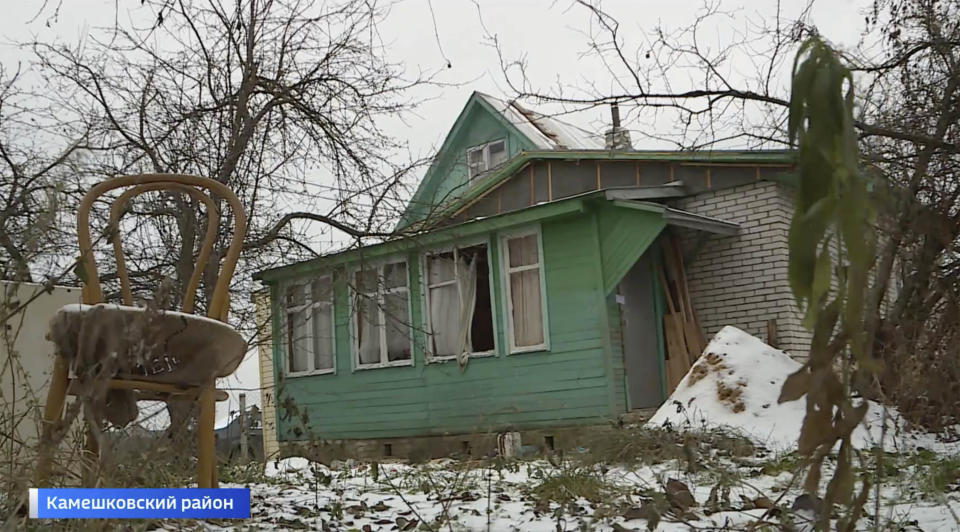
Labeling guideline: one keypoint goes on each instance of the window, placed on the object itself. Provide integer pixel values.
(381, 316)
(487, 156)
(459, 311)
(309, 327)
(523, 284)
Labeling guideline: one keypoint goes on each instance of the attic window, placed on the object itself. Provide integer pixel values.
(484, 157)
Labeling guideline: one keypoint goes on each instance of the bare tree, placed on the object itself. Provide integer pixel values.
(35, 184)
(281, 100)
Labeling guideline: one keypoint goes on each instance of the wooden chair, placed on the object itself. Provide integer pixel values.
(159, 354)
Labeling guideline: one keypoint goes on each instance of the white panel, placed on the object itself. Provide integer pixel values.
(268, 412)
(25, 371)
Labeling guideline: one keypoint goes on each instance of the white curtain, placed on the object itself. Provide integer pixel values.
(527, 311)
(298, 340)
(367, 330)
(444, 306)
(468, 292)
(322, 337)
(398, 324)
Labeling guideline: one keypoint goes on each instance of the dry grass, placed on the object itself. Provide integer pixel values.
(646, 445)
(573, 483)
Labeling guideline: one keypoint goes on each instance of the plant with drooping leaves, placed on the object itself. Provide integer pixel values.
(832, 245)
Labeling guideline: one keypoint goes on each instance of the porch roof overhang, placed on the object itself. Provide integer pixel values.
(677, 217)
(628, 198)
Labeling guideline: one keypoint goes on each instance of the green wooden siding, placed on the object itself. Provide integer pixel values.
(570, 384)
(618, 375)
(625, 234)
(580, 380)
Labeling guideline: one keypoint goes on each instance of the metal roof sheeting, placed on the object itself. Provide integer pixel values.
(546, 132)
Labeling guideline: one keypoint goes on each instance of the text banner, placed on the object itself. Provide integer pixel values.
(139, 503)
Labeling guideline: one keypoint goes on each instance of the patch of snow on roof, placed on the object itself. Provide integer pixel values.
(736, 383)
(547, 132)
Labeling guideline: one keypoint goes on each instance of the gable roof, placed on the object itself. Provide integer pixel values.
(546, 132)
(541, 133)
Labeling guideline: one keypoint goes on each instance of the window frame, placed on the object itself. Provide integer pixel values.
(425, 299)
(381, 314)
(306, 283)
(484, 150)
(505, 271)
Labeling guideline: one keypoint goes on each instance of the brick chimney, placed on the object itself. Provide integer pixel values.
(617, 138)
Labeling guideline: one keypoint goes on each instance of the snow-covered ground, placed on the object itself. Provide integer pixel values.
(451, 495)
(716, 456)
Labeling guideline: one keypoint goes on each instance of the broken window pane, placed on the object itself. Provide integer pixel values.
(458, 302)
(481, 328)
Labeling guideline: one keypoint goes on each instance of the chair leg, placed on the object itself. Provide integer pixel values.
(214, 483)
(52, 412)
(206, 457)
(91, 454)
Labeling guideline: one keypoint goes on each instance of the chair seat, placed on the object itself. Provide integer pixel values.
(147, 344)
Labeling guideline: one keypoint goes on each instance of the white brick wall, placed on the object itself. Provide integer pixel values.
(741, 280)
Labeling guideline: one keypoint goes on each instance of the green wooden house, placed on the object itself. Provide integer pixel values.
(519, 294)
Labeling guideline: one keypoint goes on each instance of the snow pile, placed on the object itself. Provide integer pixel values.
(293, 466)
(736, 383)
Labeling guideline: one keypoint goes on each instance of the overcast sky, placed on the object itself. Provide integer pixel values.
(551, 37)
(549, 34)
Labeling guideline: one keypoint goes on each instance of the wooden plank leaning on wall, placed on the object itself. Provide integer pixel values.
(684, 337)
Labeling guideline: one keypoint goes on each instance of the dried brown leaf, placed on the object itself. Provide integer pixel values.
(796, 385)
